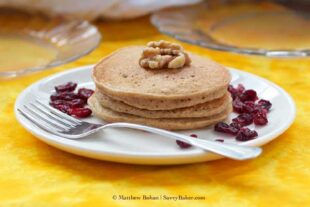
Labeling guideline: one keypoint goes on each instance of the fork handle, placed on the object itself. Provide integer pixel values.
(237, 152)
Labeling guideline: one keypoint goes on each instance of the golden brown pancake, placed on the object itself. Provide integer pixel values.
(165, 123)
(201, 110)
(120, 76)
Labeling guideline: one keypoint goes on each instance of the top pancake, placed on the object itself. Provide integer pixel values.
(121, 77)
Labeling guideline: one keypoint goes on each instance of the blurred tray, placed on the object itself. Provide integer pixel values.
(247, 27)
(33, 42)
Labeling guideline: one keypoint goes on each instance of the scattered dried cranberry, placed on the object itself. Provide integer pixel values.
(69, 102)
(62, 107)
(248, 95)
(182, 144)
(244, 119)
(85, 93)
(260, 118)
(244, 103)
(248, 107)
(246, 134)
(68, 87)
(236, 125)
(66, 96)
(236, 92)
(259, 109)
(240, 88)
(80, 112)
(233, 91)
(58, 102)
(76, 103)
(185, 145)
(225, 128)
(237, 106)
(265, 104)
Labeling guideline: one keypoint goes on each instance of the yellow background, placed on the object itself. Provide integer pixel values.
(33, 174)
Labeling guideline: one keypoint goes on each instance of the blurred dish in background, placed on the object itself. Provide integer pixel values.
(92, 9)
(32, 42)
(19, 52)
(252, 27)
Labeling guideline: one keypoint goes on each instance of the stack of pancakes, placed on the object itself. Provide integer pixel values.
(191, 97)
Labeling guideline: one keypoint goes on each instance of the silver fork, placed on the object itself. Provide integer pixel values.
(63, 125)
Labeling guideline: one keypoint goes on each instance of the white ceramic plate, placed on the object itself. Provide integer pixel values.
(131, 146)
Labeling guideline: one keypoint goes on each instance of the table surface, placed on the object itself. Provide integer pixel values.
(35, 174)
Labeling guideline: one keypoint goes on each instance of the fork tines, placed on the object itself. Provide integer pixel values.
(48, 118)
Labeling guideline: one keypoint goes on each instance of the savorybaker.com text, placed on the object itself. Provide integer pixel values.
(157, 197)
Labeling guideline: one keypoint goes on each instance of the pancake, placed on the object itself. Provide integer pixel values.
(165, 123)
(201, 110)
(121, 77)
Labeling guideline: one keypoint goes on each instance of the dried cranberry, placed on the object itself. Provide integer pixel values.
(265, 104)
(233, 92)
(58, 102)
(259, 109)
(68, 87)
(248, 107)
(231, 89)
(240, 88)
(80, 112)
(185, 145)
(244, 103)
(237, 106)
(246, 134)
(248, 95)
(66, 96)
(260, 118)
(236, 92)
(236, 125)
(85, 93)
(55, 97)
(62, 107)
(76, 103)
(221, 127)
(225, 128)
(244, 119)
(69, 102)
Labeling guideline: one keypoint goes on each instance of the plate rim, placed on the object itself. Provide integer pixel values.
(139, 156)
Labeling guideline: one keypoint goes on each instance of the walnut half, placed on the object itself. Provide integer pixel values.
(163, 54)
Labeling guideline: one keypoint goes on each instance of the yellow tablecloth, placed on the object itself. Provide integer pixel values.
(35, 174)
